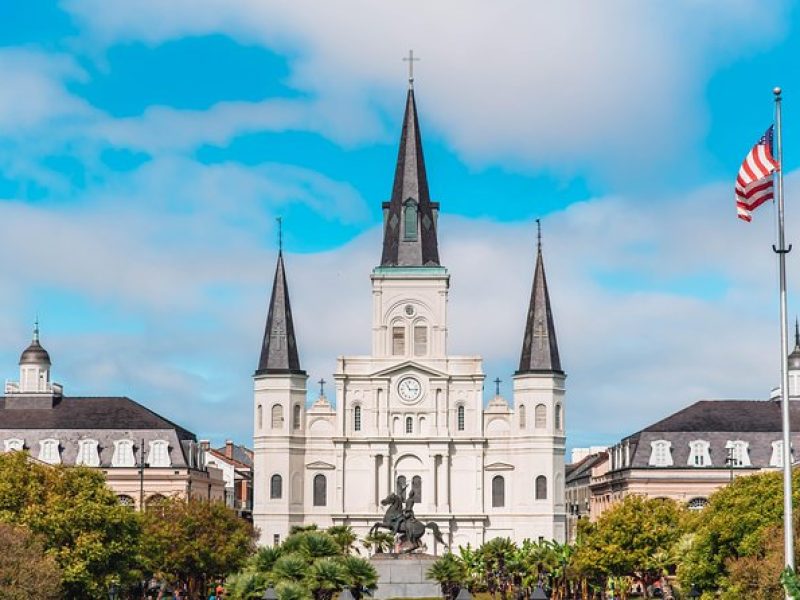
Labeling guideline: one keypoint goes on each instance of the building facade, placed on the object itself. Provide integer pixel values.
(143, 456)
(236, 464)
(695, 451)
(408, 414)
(577, 487)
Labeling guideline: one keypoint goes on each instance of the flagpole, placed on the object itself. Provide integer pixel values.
(782, 251)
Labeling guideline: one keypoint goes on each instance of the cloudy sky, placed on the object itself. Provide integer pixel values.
(147, 147)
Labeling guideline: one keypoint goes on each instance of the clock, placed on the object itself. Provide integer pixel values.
(409, 389)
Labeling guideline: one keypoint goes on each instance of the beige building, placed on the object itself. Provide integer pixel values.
(144, 456)
(577, 488)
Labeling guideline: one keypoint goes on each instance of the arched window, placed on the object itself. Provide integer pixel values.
(409, 425)
(320, 490)
(410, 221)
(522, 416)
(416, 487)
(541, 487)
(498, 491)
(357, 418)
(460, 415)
(260, 416)
(398, 340)
(154, 500)
(13, 444)
(697, 504)
(49, 451)
(401, 484)
(123, 454)
(558, 417)
(126, 500)
(296, 417)
(277, 416)
(276, 487)
(88, 454)
(540, 416)
(420, 340)
(159, 454)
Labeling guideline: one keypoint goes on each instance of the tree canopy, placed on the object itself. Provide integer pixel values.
(25, 570)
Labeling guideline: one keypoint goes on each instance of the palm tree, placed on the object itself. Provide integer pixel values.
(448, 572)
(291, 567)
(325, 577)
(378, 542)
(344, 537)
(361, 575)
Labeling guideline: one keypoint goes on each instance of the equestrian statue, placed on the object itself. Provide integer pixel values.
(400, 520)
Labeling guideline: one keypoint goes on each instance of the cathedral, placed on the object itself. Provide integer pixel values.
(408, 414)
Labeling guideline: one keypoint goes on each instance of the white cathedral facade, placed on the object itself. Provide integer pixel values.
(409, 414)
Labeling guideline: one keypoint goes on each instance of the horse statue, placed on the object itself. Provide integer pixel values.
(404, 524)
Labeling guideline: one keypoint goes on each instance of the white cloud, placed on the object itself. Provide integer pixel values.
(564, 86)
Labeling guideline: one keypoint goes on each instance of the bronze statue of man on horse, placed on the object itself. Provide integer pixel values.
(400, 520)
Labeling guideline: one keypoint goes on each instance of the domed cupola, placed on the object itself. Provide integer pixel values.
(34, 354)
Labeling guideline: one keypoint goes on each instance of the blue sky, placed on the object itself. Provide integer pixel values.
(146, 149)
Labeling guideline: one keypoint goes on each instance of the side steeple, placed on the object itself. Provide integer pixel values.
(539, 347)
(279, 349)
(409, 224)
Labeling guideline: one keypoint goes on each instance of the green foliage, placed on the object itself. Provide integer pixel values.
(791, 583)
(92, 538)
(378, 541)
(632, 538)
(449, 572)
(310, 565)
(25, 570)
(732, 529)
(190, 542)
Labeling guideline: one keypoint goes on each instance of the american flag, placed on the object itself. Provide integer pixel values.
(754, 182)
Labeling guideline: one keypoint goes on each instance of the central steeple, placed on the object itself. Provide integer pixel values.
(409, 218)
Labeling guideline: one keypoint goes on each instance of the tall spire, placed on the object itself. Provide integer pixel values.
(539, 348)
(409, 231)
(279, 349)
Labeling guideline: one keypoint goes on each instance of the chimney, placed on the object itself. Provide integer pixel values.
(228, 448)
(205, 444)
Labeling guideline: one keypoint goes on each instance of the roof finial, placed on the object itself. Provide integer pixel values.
(280, 234)
(36, 329)
(539, 234)
(796, 332)
(497, 386)
(410, 59)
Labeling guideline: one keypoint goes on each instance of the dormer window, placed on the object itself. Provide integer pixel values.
(409, 221)
(49, 451)
(123, 454)
(660, 453)
(14, 444)
(738, 455)
(776, 459)
(158, 456)
(699, 454)
(88, 454)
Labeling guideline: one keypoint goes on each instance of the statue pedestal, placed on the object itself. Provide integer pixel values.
(404, 576)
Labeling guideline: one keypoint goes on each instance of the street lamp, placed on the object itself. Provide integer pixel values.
(269, 594)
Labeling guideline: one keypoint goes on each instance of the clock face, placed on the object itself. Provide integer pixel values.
(409, 389)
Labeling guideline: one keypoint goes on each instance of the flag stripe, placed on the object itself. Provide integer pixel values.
(754, 185)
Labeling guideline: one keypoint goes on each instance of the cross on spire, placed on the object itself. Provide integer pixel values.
(539, 234)
(280, 233)
(497, 386)
(411, 60)
(322, 383)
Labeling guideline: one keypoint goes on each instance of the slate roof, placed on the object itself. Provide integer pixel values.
(410, 183)
(279, 348)
(727, 415)
(96, 413)
(583, 468)
(539, 346)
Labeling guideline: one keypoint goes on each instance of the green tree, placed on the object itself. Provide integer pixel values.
(344, 537)
(91, 536)
(629, 539)
(194, 542)
(733, 527)
(378, 542)
(25, 570)
(449, 572)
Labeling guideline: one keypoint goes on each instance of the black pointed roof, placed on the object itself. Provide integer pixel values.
(539, 347)
(279, 349)
(410, 187)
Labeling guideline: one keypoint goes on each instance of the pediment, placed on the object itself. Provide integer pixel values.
(319, 465)
(499, 466)
(409, 365)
